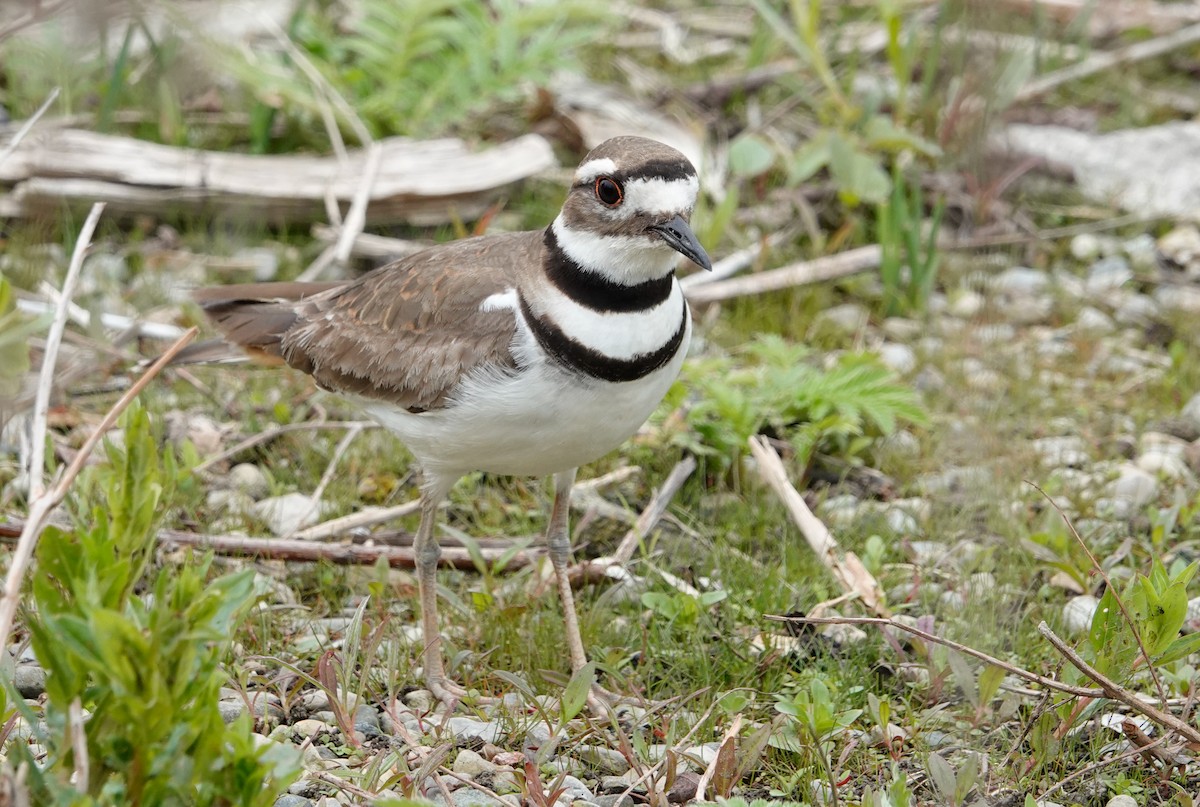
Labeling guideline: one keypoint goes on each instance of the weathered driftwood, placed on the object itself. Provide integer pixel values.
(419, 181)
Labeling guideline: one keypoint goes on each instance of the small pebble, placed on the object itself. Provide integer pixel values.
(248, 479)
(1078, 612)
(471, 764)
(30, 681)
(899, 358)
(288, 513)
(1021, 281)
(469, 727)
(1107, 274)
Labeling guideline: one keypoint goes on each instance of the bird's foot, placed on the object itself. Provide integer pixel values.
(451, 694)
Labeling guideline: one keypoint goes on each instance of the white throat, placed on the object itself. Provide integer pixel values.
(623, 259)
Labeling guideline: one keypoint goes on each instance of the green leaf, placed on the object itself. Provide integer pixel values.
(943, 777)
(811, 158)
(989, 683)
(882, 133)
(1181, 647)
(859, 176)
(750, 155)
(576, 693)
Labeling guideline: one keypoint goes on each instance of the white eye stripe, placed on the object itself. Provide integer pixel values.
(594, 168)
(661, 195)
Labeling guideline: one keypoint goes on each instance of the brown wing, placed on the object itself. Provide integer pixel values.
(406, 333)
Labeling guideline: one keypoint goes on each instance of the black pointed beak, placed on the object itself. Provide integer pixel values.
(679, 236)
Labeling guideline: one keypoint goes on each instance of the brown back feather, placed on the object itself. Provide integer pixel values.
(406, 333)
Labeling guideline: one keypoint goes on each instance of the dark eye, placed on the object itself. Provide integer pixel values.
(608, 191)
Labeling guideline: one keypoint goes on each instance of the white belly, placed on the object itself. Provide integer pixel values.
(539, 422)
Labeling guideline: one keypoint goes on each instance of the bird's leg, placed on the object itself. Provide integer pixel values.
(558, 543)
(427, 551)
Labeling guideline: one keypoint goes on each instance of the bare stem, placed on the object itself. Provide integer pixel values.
(41, 401)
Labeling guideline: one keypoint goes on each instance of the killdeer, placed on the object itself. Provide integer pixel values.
(526, 353)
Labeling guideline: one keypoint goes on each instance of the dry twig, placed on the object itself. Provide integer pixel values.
(275, 431)
(654, 510)
(39, 12)
(356, 217)
(830, 267)
(1099, 62)
(41, 401)
(1137, 635)
(28, 125)
(1114, 691)
(1049, 683)
(846, 568)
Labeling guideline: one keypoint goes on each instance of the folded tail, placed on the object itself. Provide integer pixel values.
(252, 319)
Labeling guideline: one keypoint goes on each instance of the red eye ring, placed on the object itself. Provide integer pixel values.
(609, 191)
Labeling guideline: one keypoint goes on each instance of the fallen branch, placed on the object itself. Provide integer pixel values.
(343, 554)
(818, 270)
(431, 181)
(363, 518)
(847, 569)
(735, 262)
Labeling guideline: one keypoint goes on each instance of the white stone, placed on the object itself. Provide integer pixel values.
(1137, 310)
(1181, 299)
(1069, 451)
(1085, 247)
(287, 513)
(1077, 613)
(900, 358)
(966, 304)
(469, 763)
(846, 318)
(1093, 322)
(1021, 281)
(469, 727)
(1191, 410)
(1135, 486)
(1108, 273)
(1164, 464)
(1163, 443)
(249, 479)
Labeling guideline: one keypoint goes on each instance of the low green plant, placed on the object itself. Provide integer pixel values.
(680, 608)
(909, 254)
(420, 67)
(841, 409)
(816, 725)
(953, 787)
(897, 793)
(139, 653)
(856, 139)
(1157, 606)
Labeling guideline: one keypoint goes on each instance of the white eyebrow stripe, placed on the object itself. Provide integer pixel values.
(594, 168)
(654, 195)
